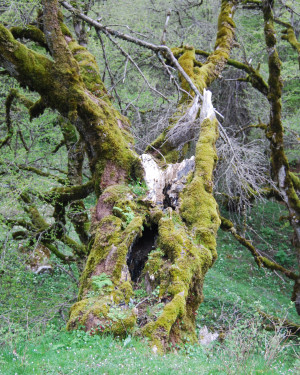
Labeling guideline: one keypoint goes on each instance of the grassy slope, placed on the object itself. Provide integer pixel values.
(234, 289)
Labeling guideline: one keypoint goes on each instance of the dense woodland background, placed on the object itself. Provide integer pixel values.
(249, 307)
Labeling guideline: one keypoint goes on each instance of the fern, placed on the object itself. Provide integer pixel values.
(102, 281)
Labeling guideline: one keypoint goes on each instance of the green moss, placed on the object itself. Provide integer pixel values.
(65, 30)
(158, 332)
(126, 289)
(115, 193)
(109, 251)
(36, 218)
(89, 70)
(295, 180)
(76, 313)
(103, 313)
(186, 60)
(29, 32)
(155, 215)
(155, 262)
(106, 239)
(175, 276)
(198, 206)
(226, 224)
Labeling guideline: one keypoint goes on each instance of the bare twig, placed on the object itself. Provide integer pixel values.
(155, 48)
(108, 69)
(124, 53)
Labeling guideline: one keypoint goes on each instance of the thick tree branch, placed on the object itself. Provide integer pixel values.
(253, 75)
(228, 226)
(290, 36)
(55, 38)
(68, 194)
(30, 32)
(41, 173)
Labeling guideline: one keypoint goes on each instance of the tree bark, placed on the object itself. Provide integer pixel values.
(279, 162)
(170, 247)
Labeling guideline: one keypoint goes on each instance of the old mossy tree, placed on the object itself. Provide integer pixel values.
(163, 238)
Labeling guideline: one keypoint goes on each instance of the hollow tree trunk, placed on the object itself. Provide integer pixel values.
(183, 235)
(169, 245)
(171, 249)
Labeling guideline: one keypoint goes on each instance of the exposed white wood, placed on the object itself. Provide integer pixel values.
(172, 179)
(207, 109)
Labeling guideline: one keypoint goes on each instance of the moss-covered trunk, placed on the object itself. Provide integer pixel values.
(183, 236)
(147, 258)
(141, 246)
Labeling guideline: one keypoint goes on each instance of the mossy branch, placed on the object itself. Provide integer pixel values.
(28, 67)
(253, 75)
(41, 173)
(30, 32)
(55, 38)
(37, 109)
(14, 94)
(228, 226)
(55, 231)
(295, 180)
(68, 194)
(67, 259)
(256, 126)
(46, 233)
(290, 36)
(275, 131)
(275, 322)
(17, 222)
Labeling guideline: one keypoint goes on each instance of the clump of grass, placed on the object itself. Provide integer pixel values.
(246, 350)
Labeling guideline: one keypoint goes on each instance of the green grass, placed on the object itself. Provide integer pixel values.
(237, 281)
(79, 353)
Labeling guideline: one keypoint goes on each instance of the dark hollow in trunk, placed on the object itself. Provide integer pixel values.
(138, 254)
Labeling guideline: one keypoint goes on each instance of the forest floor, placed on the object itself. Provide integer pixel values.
(33, 339)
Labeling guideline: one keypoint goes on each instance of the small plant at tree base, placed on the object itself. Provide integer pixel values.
(127, 215)
(100, 283)
(116, 314)
(138, 187)
(140, 293)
